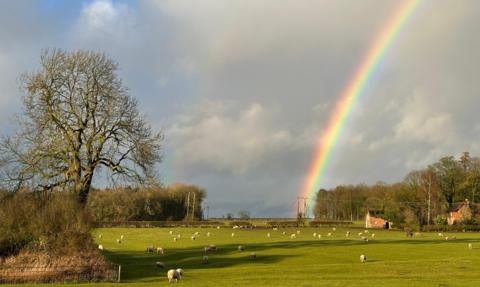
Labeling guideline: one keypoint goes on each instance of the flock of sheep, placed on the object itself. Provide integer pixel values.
(174, 275)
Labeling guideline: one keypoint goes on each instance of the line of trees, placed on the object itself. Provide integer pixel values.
(423, 197)
(174, 202)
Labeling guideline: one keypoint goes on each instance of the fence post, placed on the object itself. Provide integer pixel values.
(119, 272)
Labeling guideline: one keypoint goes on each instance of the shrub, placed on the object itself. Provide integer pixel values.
(440, 220)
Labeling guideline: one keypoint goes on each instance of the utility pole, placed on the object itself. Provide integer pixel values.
(188, 206)
(298, 206)
(208, 211)
(193, 209)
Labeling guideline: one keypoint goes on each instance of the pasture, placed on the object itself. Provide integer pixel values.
(393, 259)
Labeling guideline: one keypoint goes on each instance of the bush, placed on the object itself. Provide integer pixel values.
(318, 223)
(440, 220)
(56, 225)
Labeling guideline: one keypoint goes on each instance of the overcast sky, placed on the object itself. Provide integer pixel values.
(243, 88)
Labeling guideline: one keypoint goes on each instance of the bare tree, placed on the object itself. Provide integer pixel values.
(78, 118)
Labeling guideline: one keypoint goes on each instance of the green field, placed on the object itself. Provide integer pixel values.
(393, 259)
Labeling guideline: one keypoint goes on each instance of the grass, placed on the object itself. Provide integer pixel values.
(393, 259)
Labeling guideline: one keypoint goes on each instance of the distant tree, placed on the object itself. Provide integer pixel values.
(78, 118)
(244, 214)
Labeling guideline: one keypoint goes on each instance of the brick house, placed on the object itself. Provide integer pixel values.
(375, 219)
(459, 213)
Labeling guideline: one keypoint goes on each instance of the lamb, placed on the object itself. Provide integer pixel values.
(160, 250)
(160, 264)
(173, 276)
(293, 235)
(100, 247)
(241, 248)
(253, 255)
(363, 258)
(205, 259)
(150, 249)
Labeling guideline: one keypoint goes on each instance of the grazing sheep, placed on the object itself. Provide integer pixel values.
(319, 236)
(363, 258)
(119, 241)
(197, 233)
(100, 236)
(233, 234)
(208, 234)
(205, 259)
(470, 246)
(173, 276)
(298, 231)
(373, 235)
(160, 250)
(364, 238)
(329, 234)
(347, 234)
(440, 234)
(360, 234)
(210, 248)
(241, 248)
(446, 238)
(293, 235)
(218, 227)
(417, 234)
(253, 255)
(284, 233)
(150, 249)
(366, 231)
(314, 234)
(193, 237)
(100, 247)
(334, 229)
(175, 239)
(171, 232)
(180, 271)
(179, 235)
(275, 229)
(268, 235)
(160, 264)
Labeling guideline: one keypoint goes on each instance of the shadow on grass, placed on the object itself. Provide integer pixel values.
(140, 266)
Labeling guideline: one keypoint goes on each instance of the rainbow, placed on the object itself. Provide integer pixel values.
(351, 94)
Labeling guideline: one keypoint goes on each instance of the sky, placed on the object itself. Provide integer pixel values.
(242, 89)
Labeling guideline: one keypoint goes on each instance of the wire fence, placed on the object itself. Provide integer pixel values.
(50, 274)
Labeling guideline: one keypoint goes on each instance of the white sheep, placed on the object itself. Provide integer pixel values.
(193, 237)
(160, 264)
(218, 226)
(100, 247)
(347, 234)
(470, 246)
(171, 232)
(150, 249)
(293, 235)
(275, 229)
(175, 239)
(173, 276)
(334, 229)
(253, 255)
(210, 248)
(208, 234)
(268, 235)
(298, 231)
(366, 231)
(121, 237)
(440, 234)
(179, 236)
(373, 235)
(329, 234)
(360, 234)
(180, 271)
(233, 234)
(205, 259)
(241, 248)
(197, 233)
(319, 236)
(284, 233)
(119, 241)
(160, 250)
(314, 234)
(363, 258)
(100, 236)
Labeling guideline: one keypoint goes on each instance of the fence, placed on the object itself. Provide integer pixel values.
(50, 274)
